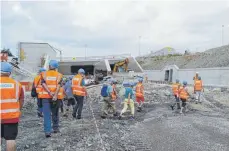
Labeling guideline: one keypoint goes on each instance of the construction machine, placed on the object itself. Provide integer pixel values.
(123, 64)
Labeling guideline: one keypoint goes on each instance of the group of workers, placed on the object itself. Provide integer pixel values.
(181, 93)
(110, 95)
(50, 89)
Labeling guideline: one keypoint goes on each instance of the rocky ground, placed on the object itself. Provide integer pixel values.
(157, 128)
(216, 57)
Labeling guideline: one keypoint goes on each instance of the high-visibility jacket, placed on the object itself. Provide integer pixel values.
(77, 88)
(183, 93)
(61, 94)
(198, 85)
(175, 88)
(52, 79)
(10, 93)
(37, 83)
(113, 94)
(139, 90)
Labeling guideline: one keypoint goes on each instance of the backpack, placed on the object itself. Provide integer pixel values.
(33, 92)
(104, 91)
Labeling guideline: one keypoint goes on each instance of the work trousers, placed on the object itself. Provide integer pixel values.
(130, 104)
(79, 105)
(39, 105)
(108, 104)
(50, 110)
(198, 95)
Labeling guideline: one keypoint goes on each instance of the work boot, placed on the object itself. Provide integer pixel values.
(178, 106)
(56, 131)
(172, 107)
(47, 135)
(73, 115)
(79, 117)
(115, 114)
(132, 117)
(139, 109)
(39, 114)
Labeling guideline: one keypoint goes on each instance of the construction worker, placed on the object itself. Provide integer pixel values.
(140, 94)
(128, 100)
(61, 96)
(198, 88)
(109, 95)
(38, 88)
(196, 76)
(12, 99)
(175, 89)
(51, 81)
(183, 93)
(79, 92)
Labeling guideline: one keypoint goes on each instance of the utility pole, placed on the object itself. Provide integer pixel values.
(85, 55)
(222, 34)
(139, 47)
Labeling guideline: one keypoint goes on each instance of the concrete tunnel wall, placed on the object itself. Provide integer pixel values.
(210, 76)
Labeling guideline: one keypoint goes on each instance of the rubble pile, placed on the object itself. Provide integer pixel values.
(216, 57)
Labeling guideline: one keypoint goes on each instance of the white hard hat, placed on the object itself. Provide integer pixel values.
(197, 72)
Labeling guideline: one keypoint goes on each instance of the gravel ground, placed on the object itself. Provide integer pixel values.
(157, 128)
(216, 57)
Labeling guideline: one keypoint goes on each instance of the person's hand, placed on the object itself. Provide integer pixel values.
(51, 93)
(54, 98)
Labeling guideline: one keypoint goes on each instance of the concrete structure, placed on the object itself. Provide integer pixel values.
(32, 54)
(210, 76)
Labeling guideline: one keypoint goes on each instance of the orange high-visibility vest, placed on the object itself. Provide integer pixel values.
(77, 88)
(10, 93)
(37, 83)
(175, 88)
(139, 90)
(61, 94)
(183, 93)
(113, 94)
(198, 86)
(52, 79)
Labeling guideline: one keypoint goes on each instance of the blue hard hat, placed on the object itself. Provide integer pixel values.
(53, 64)
(42, 70)
(140, 79)
(6, 67)
(177, 80)
(81, 71)
(185, 83)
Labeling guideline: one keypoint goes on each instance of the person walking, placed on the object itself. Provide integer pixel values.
(11, 103)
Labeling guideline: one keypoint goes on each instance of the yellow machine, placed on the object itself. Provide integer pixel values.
(123, 64)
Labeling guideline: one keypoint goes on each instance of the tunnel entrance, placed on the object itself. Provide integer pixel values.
(89, 69)
(171, 75)
(112, 66)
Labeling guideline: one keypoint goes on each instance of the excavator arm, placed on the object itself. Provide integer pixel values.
(123, 64)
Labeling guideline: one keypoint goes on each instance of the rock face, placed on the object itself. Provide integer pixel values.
(156, 128)
(216, 57)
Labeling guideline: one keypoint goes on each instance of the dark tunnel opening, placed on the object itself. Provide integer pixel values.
(112, 66)
(89, 69)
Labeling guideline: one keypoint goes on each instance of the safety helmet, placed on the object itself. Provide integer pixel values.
(81, 71)
(177, 80)
(140, 79)
(185, 83)
(53, 64)
(6, 67)
(42, 70)
(197, 72)
(199, 77)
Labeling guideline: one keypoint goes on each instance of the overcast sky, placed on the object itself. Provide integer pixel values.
(114, 27)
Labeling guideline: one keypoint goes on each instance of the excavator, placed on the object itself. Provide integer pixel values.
(123, 64)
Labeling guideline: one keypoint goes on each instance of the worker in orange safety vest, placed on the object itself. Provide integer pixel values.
(140, 94)
(12, 99)
(51, 82)
(61, 96)
(79, 92)
(198, 89)
(38, 88)
(175, 89)
(184, 95)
